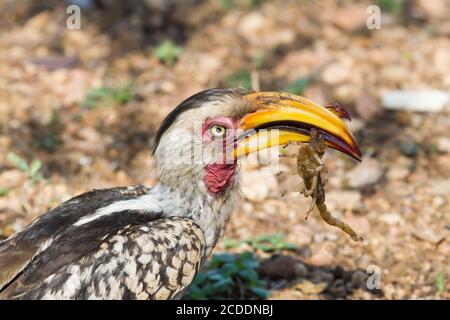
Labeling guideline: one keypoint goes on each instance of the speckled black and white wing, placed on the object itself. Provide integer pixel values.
(18, 250)
(104, 244)
(155, 260)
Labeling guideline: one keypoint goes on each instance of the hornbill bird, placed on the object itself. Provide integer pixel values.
(138, 242)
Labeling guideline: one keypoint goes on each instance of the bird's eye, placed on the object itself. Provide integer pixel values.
(218, 131)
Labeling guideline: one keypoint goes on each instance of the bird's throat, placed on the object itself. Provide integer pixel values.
(219, 176)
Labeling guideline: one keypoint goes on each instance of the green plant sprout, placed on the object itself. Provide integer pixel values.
(3, 191)
(266, 243)
(103, 97)
(32, 170)
(168, 53)
(241, 78)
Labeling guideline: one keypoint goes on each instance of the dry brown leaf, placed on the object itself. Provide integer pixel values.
(308, 287)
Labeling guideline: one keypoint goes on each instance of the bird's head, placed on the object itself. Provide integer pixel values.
(199, 142)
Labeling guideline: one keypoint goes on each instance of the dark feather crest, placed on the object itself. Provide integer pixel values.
(195, 101)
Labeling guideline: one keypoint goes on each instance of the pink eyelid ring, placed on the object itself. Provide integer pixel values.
(228, 123)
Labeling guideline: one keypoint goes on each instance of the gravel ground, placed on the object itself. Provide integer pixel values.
(397, 198)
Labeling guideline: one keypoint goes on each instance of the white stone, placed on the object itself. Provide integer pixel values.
(368, 172)
(443, 144)
(440, 187)
(344, 200)
(415, 100)
(391, 218)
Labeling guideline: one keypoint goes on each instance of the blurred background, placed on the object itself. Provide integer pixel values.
(79, 105)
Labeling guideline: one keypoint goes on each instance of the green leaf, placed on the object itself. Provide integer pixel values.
(196, 294)
(261, 292)
(241, 78)
(219, 279)
(271, 242)
(211, 272)
(216, 277)
(224, 257)
(223, 284)
(264, 237)
(393, 6)
(103, 97)
(49, 142)
(35, 167)
(250, 263)
(199, 278)
(255, 3)
(440, 282)
(298, 86)
(96, 97)
(264, 247)
(226, 4)
(167, 52)
(229, 269)
(123, 95)
(230, 243)
(3, 191)
(248, 274)
(98, 93)
(34, 170)
(17, 161)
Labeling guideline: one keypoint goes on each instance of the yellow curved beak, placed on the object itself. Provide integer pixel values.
(279, 118)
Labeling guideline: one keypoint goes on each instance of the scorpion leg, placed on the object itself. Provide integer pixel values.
(290, 173)
(300, 189)
(319, 161)
(311, 207)
(312, 192)
(287, 156)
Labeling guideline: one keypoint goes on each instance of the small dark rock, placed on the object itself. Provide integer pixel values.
(318, 276)
(358, 279)
(301, 270)
(337, 289)
(304, 251)
(338, 272)
(282, 267)
(410, 148)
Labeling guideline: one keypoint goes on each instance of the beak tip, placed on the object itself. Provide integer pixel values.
(350, 148)
(355, 153)
(358, 157)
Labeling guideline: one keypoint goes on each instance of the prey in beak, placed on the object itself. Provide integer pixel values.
(293, 117)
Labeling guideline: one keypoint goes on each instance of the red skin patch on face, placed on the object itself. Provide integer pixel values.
(219, 175)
